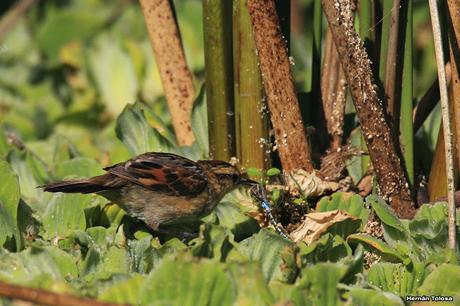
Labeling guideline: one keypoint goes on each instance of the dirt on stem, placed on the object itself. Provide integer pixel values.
(392, 180)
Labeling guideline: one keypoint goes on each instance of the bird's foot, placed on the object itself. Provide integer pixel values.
(185, 237)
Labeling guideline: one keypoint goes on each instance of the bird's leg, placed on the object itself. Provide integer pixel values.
(182, 235)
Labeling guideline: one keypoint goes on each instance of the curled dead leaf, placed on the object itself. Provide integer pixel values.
(317, 223)
(300, 182)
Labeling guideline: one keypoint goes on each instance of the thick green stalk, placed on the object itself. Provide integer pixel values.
(217, 19)
(387, 5)
(316, 54)
(318, 111)
(252, 139)
(365, 19)
(406, 124)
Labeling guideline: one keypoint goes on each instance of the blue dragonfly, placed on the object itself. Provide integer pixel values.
(258, 192)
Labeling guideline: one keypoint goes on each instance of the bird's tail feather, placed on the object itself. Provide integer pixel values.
(76, 186)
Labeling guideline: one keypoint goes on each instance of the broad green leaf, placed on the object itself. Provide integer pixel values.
(273, 171)
(64, 26)
(115, 261)
(183, 281)
(254, 172)
(395, 231)
(114, 73)
(101, 236)
(4, 146)
(397, 278)
(321, 281)
(191, 30)
(28, 266)
(364, 297)
(429, 229)
(137, 134)
(230, 216)
(141, 255)
(357, 166)
(251, 288)
(290, 294)
(444, 280)
(151, 85)
(54, 150)
(79, 167)
(112, 215)
(19, 45)
(352, 204)
(136, 53)
(384, 213)
(9, 201)
(65, 214)
(90, 265)
(127, 291)
(266, 247)
(215, 243)
(32, 173)
(326, 248)
(200, 125)
(380, 247)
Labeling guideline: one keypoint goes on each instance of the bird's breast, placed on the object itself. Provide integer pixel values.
(156, 208)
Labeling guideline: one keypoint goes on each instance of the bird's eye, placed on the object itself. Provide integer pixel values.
(235, 178)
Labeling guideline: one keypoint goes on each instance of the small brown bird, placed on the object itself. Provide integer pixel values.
(161, 188)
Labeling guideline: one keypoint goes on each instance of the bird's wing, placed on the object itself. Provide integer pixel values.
(163, 172)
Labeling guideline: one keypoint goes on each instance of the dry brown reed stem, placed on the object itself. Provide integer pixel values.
(290, 137)
(13, 15)
(392, 67)
(437, 180)
(392, 180)
(453, 74)
(333, 92)
(175, 75)
(43, 297)
(447, 123)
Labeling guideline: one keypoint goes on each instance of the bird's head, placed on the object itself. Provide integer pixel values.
(227, 176)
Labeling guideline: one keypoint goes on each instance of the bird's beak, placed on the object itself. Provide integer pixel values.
(247, 181)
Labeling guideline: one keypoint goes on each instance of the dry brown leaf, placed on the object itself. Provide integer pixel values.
(308, 184)
(317, 223)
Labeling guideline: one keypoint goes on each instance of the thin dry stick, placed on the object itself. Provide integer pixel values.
(43, 297)
(175, 76)
(380, 141)
(284, 108)
(13, 15)
(333, 92)
(447, 129)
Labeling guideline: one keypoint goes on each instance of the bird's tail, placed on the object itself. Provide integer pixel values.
(76, 186)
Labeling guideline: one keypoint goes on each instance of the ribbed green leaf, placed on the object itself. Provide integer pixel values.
(9, 201)
(114, 73)
(380, 247)
(321, 281)
(397, 278)
(444, 280)
(182, 281)
(266, 247)
(352, 204)
(363, 297)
